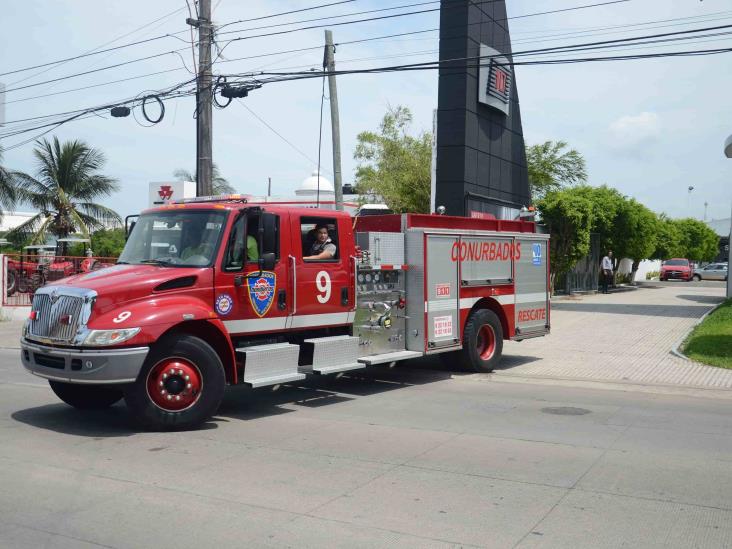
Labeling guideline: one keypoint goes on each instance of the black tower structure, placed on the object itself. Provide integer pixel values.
(481, 160)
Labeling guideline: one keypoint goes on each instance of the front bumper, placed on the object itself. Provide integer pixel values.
(675, 275)
(95, 366)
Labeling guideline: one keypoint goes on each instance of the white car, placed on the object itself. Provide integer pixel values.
(713, 271)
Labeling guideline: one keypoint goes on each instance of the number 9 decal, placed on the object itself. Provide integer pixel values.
(322, 283)
(124, 315)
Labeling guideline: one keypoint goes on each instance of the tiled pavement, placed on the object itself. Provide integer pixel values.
(622, 337)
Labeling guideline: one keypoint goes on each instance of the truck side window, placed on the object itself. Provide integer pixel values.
(319, 238)
(234, 257)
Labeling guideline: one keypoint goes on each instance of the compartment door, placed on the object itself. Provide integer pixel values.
(442, 292)
(531, 286)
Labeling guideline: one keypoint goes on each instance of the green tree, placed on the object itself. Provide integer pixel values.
(394, 164)
(606, 206)
(8, 191)
(108, 242)
(639, 229)
(220, 184)
(551, 166)
(568, 216)
(68, 182)
(669, 242)
(700, 242)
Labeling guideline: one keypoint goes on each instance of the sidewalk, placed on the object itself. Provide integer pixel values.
(10, 334)
(623, 337)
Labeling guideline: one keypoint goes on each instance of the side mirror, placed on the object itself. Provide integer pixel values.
(267, 232)
(130, 222)
(267, 261)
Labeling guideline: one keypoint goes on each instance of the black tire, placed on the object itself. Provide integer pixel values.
(202, 401)
(12, 282)
(86, 397)
(478, 355)
(696, 278)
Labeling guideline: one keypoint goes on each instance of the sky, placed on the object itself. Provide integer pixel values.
(650, 128)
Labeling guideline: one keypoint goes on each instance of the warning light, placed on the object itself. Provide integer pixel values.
(33, 315)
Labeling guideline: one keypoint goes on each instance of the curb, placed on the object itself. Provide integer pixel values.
(675, 350)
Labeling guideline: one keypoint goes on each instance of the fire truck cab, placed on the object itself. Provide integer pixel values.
(216, 291)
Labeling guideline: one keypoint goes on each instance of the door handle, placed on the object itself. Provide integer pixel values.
(239, 280)
(282, 300)
(344, 296)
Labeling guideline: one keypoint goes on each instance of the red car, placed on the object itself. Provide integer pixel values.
(676, 269)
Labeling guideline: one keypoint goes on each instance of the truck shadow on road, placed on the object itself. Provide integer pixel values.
(244, 404)
(678, 311)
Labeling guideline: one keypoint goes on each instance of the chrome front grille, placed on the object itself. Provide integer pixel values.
(57, 316)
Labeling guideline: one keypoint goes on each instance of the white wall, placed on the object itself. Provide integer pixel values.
(11, 220)
(644, 267)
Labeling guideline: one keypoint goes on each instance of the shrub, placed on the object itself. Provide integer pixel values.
(650, 275)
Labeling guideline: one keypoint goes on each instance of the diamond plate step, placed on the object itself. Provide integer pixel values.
(332, 354)
(389, 357)
(270, 364)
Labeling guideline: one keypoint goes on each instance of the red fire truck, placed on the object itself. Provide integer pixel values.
(216, 291)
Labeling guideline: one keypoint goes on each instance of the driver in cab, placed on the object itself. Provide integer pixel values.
(323, 247)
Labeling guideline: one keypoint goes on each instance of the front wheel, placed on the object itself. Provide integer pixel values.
(180, 386)
(86, 397)
(482, 341)
(696, 278)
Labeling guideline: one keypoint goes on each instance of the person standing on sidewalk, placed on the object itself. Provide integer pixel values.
(607, 271)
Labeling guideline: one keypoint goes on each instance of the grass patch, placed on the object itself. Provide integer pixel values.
(711, 341)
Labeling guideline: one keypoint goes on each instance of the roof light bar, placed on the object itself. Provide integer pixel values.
(217, 198)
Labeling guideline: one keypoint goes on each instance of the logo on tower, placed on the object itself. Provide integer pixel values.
(494, 79)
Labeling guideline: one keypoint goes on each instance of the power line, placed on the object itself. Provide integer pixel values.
(84, 88)
(97, 51)
(271, 34)
(286, 13)
(278, 134)
(95, 70)
(588, 45)
(392, 16)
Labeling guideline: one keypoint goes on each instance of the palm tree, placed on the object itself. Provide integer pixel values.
(8, 193)
(220, 184)
(67, 183)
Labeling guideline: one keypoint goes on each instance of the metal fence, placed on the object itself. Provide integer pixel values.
(585, 275)
(23, 274)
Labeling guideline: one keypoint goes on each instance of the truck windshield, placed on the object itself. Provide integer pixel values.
(187, 238)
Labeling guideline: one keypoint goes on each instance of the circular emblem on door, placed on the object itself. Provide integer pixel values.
(224, 304)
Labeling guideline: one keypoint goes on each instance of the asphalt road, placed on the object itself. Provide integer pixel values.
(407, 457)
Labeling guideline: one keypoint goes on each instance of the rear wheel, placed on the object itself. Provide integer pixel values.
(180, 386)
(12, 283)
(483, 341)
(86, 397)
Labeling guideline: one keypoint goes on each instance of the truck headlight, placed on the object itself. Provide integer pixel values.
(110, 337)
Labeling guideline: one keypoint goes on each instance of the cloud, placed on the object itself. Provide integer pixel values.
(632, 130)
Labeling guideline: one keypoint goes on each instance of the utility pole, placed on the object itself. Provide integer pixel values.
(329, 65)
(203, 103)
(269, 186)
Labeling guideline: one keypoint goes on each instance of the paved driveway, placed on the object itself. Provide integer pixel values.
(623, 337)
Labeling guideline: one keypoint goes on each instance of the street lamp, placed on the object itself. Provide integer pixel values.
(728, 154)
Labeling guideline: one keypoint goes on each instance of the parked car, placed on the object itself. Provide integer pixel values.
(713, 271)
(676, 269)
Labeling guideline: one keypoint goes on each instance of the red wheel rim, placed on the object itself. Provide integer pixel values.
(486, 342)
(174, 384)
